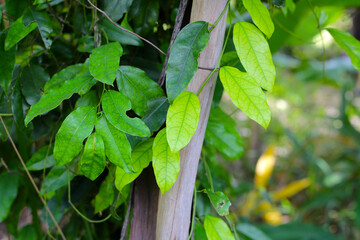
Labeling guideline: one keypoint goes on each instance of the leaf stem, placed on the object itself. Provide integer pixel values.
(193, 215)
(124, 29)
(6, 114)
(77, 210)
(220, 17)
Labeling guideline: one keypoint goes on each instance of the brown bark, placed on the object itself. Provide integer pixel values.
(174, 207)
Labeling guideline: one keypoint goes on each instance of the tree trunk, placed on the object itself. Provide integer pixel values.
(174, 207)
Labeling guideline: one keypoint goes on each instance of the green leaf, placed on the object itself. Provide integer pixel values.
(254, 53)
(116, 8)
(104, 61)
(260, 16)
(43, 158)
(89, 99)
(140, 158)
(216, 229)
(117, 147)
(222, 134)
(117, 35)
(350, 44)
(86, 44)
(9, 188)
(24, 56)
(55, 179)
(166, 163)
(33, 79)
(182, 120)
(7, 60)
(220, 202)
(105, 196)
(17, 32)
(43, 22)
(183, 64)
(138, 87)
(251, 232)
(115, 105)
(246, 94)
(144, 15)
(77, 126)
(93, 160)
(60, 87)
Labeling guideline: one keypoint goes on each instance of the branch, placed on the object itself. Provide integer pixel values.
(124, 29)
(177, 28)
(32, 181)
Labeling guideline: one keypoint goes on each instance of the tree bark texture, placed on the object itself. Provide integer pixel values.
(174, 207)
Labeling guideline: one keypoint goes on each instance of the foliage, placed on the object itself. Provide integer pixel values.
(80, 99)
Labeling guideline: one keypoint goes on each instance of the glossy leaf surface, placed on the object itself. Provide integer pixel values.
(115, 105)
(138, 87)
(77, 126)
(93, 160)
(246, 94)
(166, 163)
(117, 147)
(182, 120)
(216, 229)
(182, 65)
(60, 88)
(104, 61)
(350, 44)
(43, 23)
(254, 53)
(260, 16)
(17, 32)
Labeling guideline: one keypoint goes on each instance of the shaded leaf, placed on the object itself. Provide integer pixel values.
(105, 196)
(117, 35)
(7, 60)
(55, 179)
(350, 44)
(260, 16)
(246, 94)
(254, 53)
(9, 188)
(93, 160)
(117, 147)
(86, 44)
(141, 156)
(222, 134)
(182, 65)
(220, 202)
(182, 120)
(77, 126)
(116, 8)
(17, 32)
(24, 56)
(138, 87)
(89, 99)
(60, 87)
(43, 23)
(115, 105)
(104, 61)
(251, 231)
(43, 158)
(166, 163)
(33, 79)
(144, 15)
(216, 229)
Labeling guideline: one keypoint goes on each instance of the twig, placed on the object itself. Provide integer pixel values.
(124, 29)
(127, 216)
(32, 181)
(4, 164)
(60, 20)
(177, 27)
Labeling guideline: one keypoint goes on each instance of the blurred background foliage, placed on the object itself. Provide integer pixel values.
(297, 180)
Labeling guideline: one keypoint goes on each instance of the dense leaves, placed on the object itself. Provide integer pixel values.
(7, 59)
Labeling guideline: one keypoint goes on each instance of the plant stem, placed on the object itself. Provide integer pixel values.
(193, 216)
